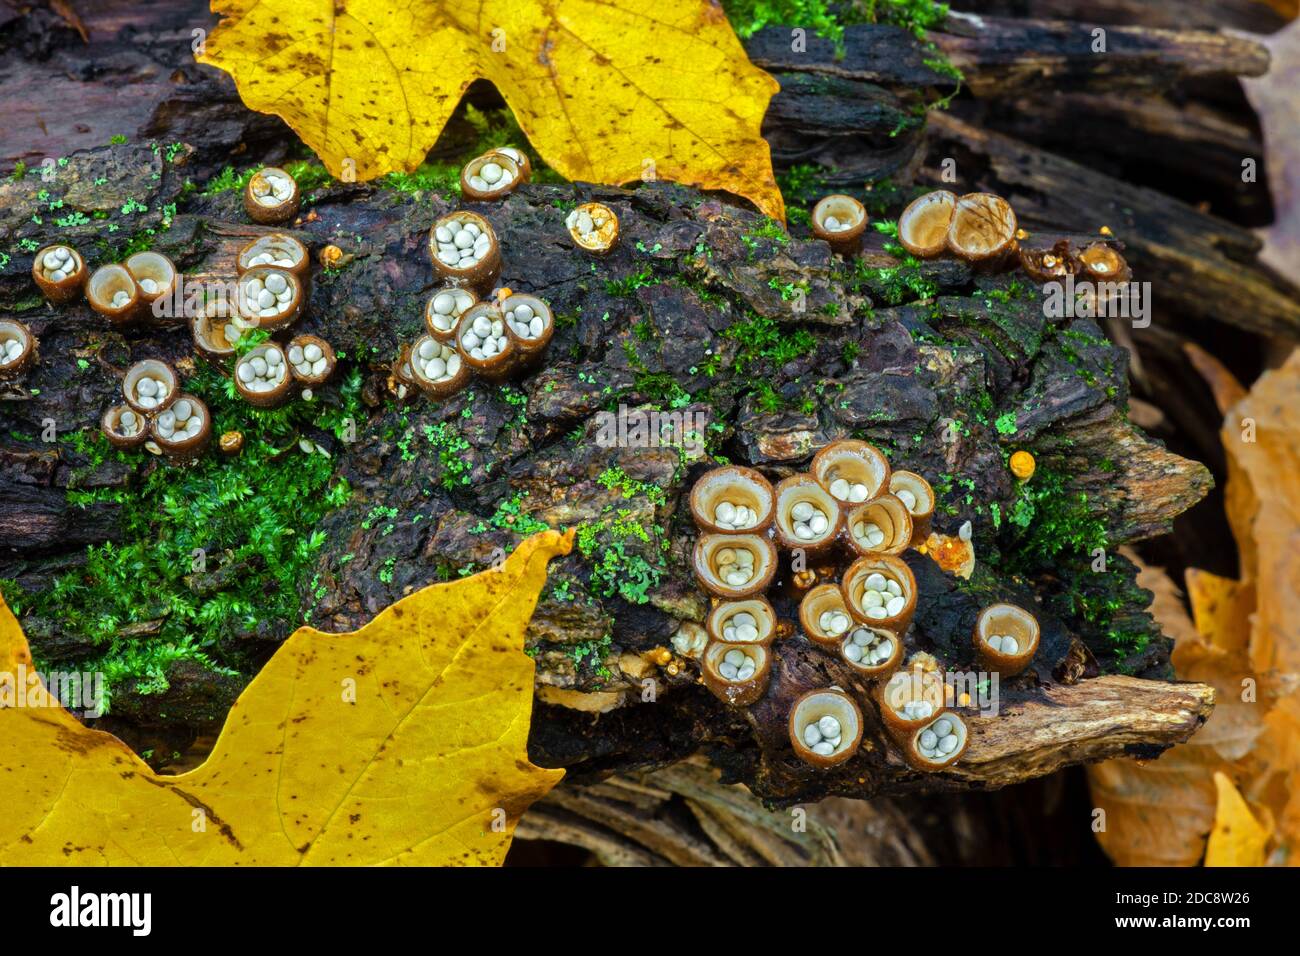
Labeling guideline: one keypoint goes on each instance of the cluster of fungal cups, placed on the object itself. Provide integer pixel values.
(982, 229)
(465, 335)
(178, 425)
(850, 501)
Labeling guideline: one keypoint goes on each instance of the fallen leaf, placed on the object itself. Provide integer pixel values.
(1246, 644)
(404, 742)
(1237, 838)
(608, 91)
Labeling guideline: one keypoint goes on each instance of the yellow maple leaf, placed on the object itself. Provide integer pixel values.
(607, 91)
(404, 742)
(1237, 838)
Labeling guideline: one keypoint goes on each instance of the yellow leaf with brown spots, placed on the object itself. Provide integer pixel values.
(1237, 838)
(607, 91)
(404, 742)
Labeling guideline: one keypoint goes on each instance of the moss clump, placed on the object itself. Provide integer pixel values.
(205, 553)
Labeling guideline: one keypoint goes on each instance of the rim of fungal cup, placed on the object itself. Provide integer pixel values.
(923, 513)
(843, 209)
(891, 567)
(483, 273)
(327, 353)
(915, 753)
(104, 283)
(854, 461)
(810, 709)
(155, 369)
(251, 314)
(272, 397)
(110, 423)
(189, 447)
(738, 693)
(983, 228)
(803, 488)
(529, 344)
(448, 384)
(471, 169)
(816, 602)
(271, 214)
(156, 269)
(704, 561)
(886, 666)
(720, 619)
(738, 485)
(1002, 619)
(890, 515)
(11, 330)
(65, 289)
(298, 257)
(1102, 263)
(442, 325)
(907, 684)
(923, 226)
(599, 241)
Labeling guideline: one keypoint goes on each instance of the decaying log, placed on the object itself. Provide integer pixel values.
(674, 314)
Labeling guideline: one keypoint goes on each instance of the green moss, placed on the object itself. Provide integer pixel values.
(616, 548)
(205, 553)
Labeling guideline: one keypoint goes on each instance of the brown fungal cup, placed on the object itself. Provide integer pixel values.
(437, 367)
(271, 197)
(882, 525)
(113, 292)
(819, 713)
(494, 175)
(937, 744)
(262, 376)
(150, 386)
(59, 272)
(995, 625)
(594, 228)
(1102, 263)
(124, 427)
(734, 566)
(840, 221)
(735, 492)
(910, 699)
(871, 651)
(17, 348)
(917, 495)
(529, 324)
(824, 617)
(983, 229)
(311, 359)
(175, 432)
(277, 250)
(807, 515)
(443, 310)
(873, 574)
(481, 270)
(923, 225)
(751, 621)
(155, 275)
(742, 685)
(1049, 265)
(851, 471)
(215, 330)
(480, 325)
(269, 298)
